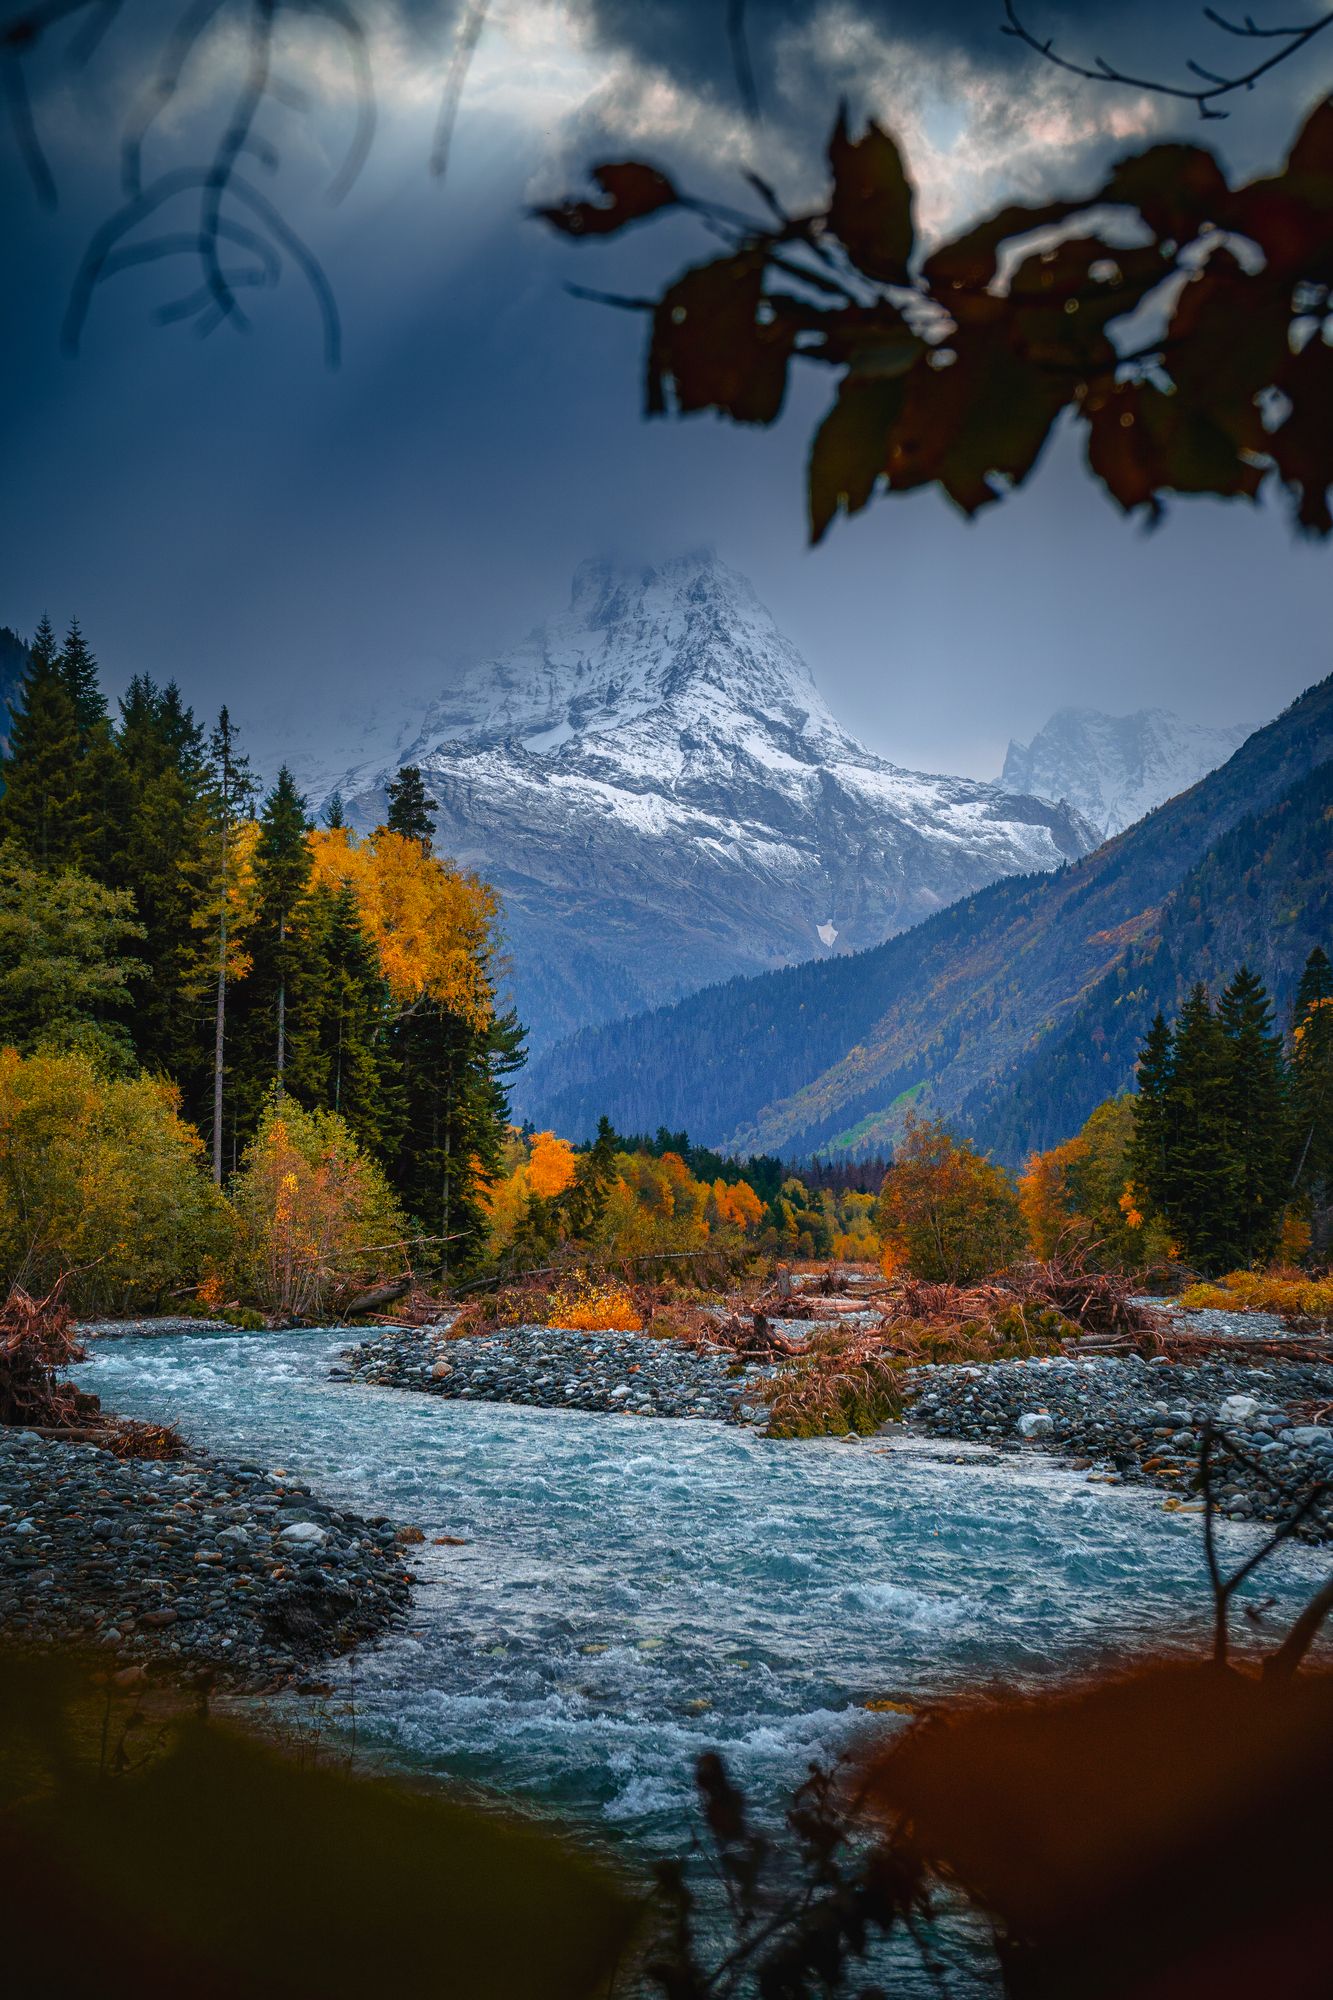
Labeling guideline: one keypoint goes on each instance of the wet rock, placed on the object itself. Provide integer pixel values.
(182, 1564)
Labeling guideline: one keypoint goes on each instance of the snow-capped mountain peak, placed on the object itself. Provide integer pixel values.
(655, 785)
(1116, 768)
(687, 639)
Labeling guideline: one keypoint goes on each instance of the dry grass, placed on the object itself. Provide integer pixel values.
(1294, 1294)
(36, 1341)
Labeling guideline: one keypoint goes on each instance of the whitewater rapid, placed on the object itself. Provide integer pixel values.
(629, 1592)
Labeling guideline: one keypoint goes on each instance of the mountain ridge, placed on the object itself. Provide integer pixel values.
(658, 791)
(1115, 768)
(959, 1011)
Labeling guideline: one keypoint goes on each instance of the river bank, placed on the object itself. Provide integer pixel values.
(1114, 1418)
(184, 1566)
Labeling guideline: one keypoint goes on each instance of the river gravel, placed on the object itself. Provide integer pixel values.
(198, 1563)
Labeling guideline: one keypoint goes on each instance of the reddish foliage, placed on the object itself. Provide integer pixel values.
(36, 1341)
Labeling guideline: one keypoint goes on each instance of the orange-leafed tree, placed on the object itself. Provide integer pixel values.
(945, 1212)
(314, 1214)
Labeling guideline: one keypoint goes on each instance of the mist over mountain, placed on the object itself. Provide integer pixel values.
(656, 787)
(1115, 768)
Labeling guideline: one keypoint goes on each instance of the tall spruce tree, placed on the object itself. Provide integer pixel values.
(276, 1009)
(1258, 1132)
(78, 671)
(1312, 1099)
(1201, 1186)
(157, 845)
(453, 1117)
(410, 807)
(42, 810)
(1149, 1149)
(231, 794)
(350, 1070)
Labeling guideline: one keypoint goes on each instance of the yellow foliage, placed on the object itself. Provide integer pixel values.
(1279, 1291)
(586, 1307)
(314, 1212)
(101, 1179)
(551, 1168)
(1045, 1196)
(431, 927)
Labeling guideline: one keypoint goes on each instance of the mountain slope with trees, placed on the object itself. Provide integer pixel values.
(1015, 1011)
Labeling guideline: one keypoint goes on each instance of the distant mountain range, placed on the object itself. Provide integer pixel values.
(1013, 1012)
(1115, 768)
(655, 786)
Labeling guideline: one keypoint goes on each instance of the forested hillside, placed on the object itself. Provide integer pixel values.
(1015, 1010)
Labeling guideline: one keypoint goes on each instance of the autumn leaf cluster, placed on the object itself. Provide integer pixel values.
(954, 363)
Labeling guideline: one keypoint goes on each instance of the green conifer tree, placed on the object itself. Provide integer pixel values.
(78, 671)
(410, 807)
(1149, 1152)
(1312, 1100)
(41, 810)
(231, 793)
(1201, 1188)
(350, 1070)
(1258, 1130)
(156, 843)
(274, 1005)
(452, 1120)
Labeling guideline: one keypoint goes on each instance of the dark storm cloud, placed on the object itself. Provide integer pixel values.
(229, 512)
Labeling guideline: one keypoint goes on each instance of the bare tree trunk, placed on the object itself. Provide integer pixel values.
(282, 999)
(220, 1019)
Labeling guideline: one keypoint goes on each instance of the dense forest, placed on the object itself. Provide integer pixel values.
(165, 920)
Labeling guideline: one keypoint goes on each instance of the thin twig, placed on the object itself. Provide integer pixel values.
(1213, 85)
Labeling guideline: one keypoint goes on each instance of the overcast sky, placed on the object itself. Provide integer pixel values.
(273, 534)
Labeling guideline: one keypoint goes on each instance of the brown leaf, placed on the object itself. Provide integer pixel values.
(973, 260)
(1176, 189)
(982, 419)
(1227, 341)
(1290, 215)
(720, 343)
(1312, 152)
(850, 447)
(633, 191)
(1142, 442)
(871, 209)
(1302, 447)
(1064, 299)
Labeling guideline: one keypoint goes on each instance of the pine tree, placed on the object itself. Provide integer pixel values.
(1201, 1183)
(281, 974)
(410, 807)
(232, 789)
(1312, 1099)
(41, 810)
(1148, 1157)
(1258, 1132)
(334, 814)
(156, 843)
(348, 1073)
(78, 671)
(453, 1117)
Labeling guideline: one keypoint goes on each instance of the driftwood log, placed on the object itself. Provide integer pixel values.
(378, 1297)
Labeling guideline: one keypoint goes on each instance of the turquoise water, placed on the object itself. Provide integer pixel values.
(632, 1591)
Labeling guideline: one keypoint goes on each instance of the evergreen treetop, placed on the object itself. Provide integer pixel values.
(410, 807)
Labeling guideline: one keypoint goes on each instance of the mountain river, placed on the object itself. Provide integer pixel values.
(630, 1592)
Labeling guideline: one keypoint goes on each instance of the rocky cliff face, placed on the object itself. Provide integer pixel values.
(1115, 768)
(655, 785)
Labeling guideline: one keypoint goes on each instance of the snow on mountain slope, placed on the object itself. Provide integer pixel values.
(1116, 768)
(655, 785)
